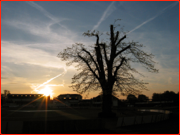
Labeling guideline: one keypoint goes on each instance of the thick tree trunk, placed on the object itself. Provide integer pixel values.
(107, 104)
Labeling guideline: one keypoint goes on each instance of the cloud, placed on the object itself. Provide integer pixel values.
(51, 79)
(18, 54)
(51, 31)
(169, 80)
(44, 30)
(43, 53)
(106, 13)
(51, 37)
(14, 80)
(152, 18)
(4, 77)
(47, 14)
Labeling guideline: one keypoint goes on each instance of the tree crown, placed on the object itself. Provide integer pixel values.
(107, 65)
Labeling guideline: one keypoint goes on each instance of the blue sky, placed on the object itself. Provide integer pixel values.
(33, 33)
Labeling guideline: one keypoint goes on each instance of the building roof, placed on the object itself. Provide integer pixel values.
(69, 95)
(26, 94)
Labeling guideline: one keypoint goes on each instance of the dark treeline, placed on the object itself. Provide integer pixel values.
(166, 96)
(157, 97)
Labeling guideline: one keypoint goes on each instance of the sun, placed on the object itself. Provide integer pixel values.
(46, 91)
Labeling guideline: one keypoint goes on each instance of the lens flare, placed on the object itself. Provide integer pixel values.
(46, 91)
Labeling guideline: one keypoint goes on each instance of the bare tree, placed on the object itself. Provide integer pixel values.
(107, 66)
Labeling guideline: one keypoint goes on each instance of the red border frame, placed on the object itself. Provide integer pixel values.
(80, 0)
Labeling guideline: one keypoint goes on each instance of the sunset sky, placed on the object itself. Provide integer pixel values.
(33, 33)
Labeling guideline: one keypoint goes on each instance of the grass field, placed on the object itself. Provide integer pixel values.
(62, 113)
(164, 127)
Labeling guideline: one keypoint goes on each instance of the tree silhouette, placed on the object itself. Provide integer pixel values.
(166, 96)
(132, 98)
(106, 66)
(142, 98)
(157, 97)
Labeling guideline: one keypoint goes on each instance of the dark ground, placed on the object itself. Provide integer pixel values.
(14, 114)
(170, 126)
(164, 127)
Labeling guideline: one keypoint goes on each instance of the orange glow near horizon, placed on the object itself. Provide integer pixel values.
(46, 91)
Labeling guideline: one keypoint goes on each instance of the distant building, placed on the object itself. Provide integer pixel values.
(4, 96)
(30, 100)
(63, 100)
(6, 92)
(75, 100)
(85, 103)
(69, 97)
(68, 100)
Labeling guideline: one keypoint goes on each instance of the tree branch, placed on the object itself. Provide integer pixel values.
(92, 59)
(117, 35)
(117, 68)
(112, 35)
(123, 50)
(105, 53)
(121, 40)
(99, 58)
(88, 66)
